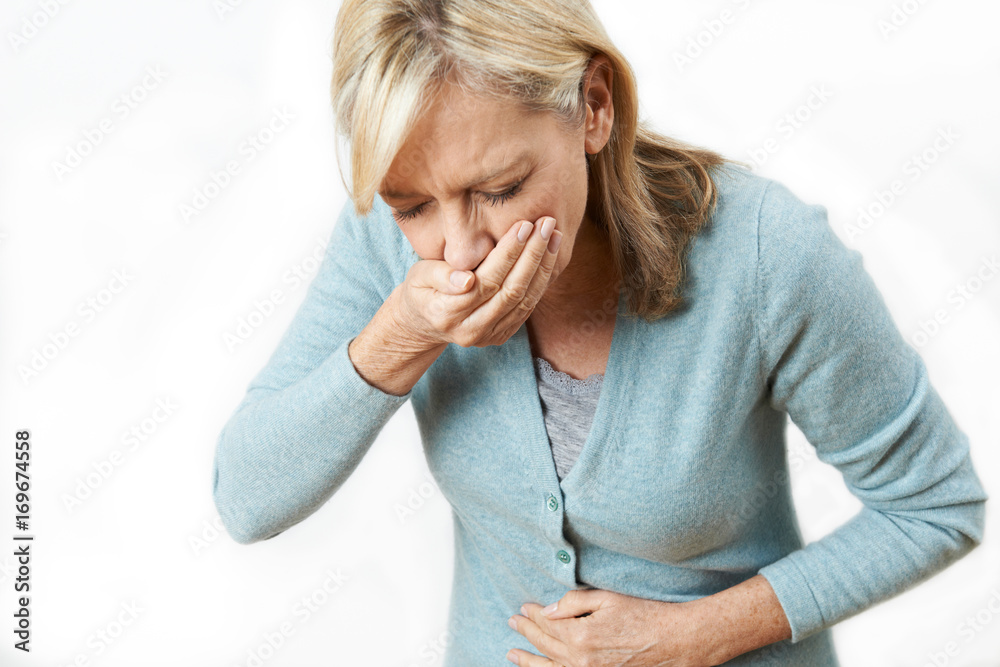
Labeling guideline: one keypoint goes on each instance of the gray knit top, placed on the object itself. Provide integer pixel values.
(568, 405)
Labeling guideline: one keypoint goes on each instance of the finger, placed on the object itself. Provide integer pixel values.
(544, 642)
(575, 602)
(439, 275)
(514, 286)
(526, 659)
(536, 288)
(492, 271)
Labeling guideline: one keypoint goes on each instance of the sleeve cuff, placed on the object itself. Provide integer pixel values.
(355, 391)
(795, 596)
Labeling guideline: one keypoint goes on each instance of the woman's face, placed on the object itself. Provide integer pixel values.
(473, 166)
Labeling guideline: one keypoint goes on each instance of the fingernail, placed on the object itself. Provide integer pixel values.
(524, 231)
(512, 623)
(460, 279)
(551, 608)
(547, 227)
(555, 241)
(512, 657)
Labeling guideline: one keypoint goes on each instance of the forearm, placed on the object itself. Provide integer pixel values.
(742, 618)
(293, 442)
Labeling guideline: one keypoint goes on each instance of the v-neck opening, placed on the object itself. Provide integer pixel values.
(536, 446)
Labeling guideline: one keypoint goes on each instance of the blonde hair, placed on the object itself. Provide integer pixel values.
(654, 192)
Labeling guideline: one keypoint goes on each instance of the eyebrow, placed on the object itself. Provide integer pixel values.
(478, 180)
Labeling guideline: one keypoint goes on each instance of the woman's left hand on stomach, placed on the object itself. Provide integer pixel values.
(617, 630)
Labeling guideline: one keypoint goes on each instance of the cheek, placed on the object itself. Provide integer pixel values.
(422, 243)
(550, 197)
(561, 191)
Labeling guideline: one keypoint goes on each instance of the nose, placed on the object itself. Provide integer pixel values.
(467, 241)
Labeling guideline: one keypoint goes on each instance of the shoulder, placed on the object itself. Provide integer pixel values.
(739, 190)
(784, 231)
(757, 201)
(726, 248)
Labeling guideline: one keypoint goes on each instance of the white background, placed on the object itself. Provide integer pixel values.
(147, 534)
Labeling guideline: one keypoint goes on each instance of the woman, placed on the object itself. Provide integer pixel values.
(602, 331)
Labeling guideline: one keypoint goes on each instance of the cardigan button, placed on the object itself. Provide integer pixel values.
(563, 556)
(553, 504)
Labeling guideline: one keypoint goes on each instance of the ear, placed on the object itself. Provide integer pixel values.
(597, 95)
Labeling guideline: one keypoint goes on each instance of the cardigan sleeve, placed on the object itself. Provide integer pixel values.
(833, 359)
(308, 417)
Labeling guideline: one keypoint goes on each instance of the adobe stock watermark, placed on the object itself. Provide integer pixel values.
(960, 295)
(595, 318)
(791, 122)
(968, 629)
(416, 499)
(132, 439)
(712, 30)
(105, 636)
(42, 357)
(914, 168)
(207, 534)
(225, 7)
(264, 308)
(8, 568)
(765, 491)
(302, 611)
(798, 454)
(434, 648)
(32, 24)
(899, 16)
(121, 108)
(249, 149)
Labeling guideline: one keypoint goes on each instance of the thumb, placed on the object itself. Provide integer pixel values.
(459, 281)
(576, 602)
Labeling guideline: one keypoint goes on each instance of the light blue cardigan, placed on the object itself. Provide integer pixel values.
(681, 489)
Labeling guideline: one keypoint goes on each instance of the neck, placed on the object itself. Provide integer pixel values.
(585, 284)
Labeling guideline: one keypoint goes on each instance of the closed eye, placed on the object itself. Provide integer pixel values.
(494, 199)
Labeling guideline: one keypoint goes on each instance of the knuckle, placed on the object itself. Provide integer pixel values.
(464, 338)
(513, 293)
(489, 285)
(436, 307)
(580, 636)
(524, 307)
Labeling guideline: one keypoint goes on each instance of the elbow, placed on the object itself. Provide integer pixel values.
(977, 523)
(966, 530)
(242, 525)
(238, 528)
(973, 513)
(242, 536)
(946, 533)
(242, 522)
(964, 518)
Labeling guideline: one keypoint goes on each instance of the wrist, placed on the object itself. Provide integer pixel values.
(738, 620)
(394, 317)
(387, 356)
(714, 640)
(690, 630)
